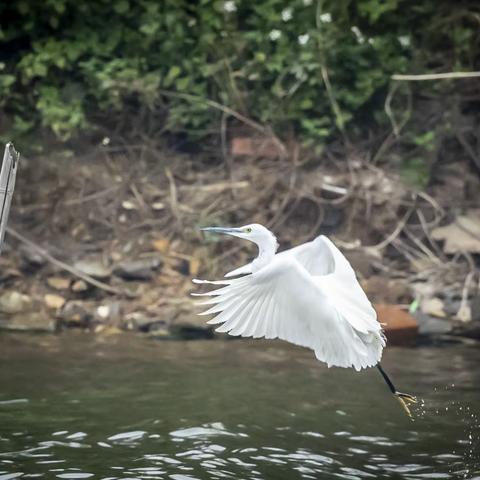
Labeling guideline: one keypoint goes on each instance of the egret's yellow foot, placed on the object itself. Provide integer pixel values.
(405, 399)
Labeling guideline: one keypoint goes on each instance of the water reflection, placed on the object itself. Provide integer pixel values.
(129, 408)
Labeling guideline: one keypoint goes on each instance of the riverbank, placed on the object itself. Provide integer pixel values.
(108, 241)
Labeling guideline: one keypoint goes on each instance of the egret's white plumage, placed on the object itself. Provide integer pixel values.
(308, 295)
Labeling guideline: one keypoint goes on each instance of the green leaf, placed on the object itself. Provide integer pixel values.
(172, 74)
(415, 172)
(121, 6)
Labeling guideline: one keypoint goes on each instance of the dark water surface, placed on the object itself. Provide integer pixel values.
(125, 407)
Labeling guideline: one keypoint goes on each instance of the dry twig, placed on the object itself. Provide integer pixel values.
(435, 76)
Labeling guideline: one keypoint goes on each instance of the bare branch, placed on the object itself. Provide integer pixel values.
(434, 76)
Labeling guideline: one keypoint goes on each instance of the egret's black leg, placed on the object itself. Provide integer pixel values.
(403, 398)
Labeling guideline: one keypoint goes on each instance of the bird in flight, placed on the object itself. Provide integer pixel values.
(307, 295)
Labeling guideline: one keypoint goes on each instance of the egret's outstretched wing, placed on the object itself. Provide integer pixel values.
(337, 280)
(282, 300)
(315, 256)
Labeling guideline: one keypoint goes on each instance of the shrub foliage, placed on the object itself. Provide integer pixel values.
(303, 67)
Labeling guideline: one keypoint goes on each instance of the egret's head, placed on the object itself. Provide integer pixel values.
(254, 232)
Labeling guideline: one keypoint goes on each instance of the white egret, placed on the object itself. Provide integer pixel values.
(308, 295)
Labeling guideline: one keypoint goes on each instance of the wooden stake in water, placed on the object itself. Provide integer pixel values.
(7, 185)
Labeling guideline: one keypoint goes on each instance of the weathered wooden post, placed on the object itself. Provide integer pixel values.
(7, 185)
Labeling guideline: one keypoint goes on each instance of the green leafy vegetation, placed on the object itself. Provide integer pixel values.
(305, 68)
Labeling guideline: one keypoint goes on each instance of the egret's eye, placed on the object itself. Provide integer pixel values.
(247, 230)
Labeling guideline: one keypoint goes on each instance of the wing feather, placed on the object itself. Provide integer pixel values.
(284, 300)
(261, 315)
(314, 256)
(229, 313)
(256, 313)
(337, 279)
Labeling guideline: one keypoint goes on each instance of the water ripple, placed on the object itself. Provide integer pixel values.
(254, 425)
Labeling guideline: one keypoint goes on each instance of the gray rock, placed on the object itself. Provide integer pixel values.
(12, 302)
(451, 306)
(475, 307)
(94, 268)
(428, 325)
(138, 321)
(143, 269)
(39, 321)
(31, 260)
(75, 314)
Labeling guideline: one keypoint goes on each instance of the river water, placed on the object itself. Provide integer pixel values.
(76, 406)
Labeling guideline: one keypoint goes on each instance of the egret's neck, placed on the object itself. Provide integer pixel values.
(266, 251)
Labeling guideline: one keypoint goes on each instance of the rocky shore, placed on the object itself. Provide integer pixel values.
(110, 246)
(150, 295)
